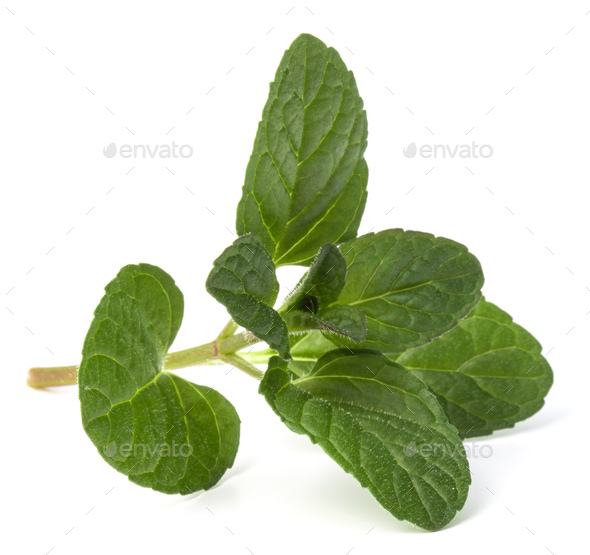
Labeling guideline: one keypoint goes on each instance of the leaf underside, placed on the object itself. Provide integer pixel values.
(487, 373)
(306, 181)
(160, 430)
(380, 424)
(411, 286)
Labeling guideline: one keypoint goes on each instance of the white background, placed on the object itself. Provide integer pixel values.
(76, 77)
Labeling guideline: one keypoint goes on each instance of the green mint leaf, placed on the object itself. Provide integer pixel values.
(346, 321)
(411, 286)
(243, 280)
(380, 424)
(307, 307)
(160, 430)
(306, 181)
(321, 284)
(487, 373)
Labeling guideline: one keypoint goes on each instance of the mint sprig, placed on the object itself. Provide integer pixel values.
(385, 354)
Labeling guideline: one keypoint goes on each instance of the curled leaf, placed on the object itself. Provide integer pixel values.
(243, 280)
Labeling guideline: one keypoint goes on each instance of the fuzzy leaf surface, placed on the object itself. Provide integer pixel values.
(322, 284)
(380, 424)
(243, 280)
(345, 321)
(160, 430)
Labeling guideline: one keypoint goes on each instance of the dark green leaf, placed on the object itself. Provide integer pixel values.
(411, 286)
(346, 321)
(487, 373)
(306, 181)
(163, 432)
(380, 424)
(322, 283)
(307, 308)
(243, 280)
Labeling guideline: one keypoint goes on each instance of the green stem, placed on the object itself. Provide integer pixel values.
(192, 356)
(238, 362)
(210, 353)
(259, 357)
(237, 342)
(56, 375)
(228, 330)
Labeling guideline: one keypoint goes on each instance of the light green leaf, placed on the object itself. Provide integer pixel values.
(163, 432)
(487, 373)
(306, 181)
(309, 347)
(243, 280)
(380, 424)
(411, 286)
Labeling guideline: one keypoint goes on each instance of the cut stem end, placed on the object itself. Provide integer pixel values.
(48, 377)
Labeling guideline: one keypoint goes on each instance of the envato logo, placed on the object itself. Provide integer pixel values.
(146, 151)
(124, 450)
(447, 151)
(427, 450)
